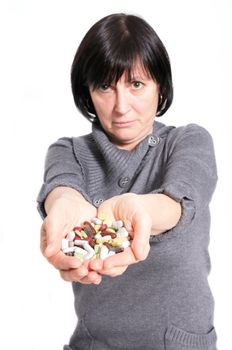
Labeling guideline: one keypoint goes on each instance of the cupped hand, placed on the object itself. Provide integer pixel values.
(65, 213)
(128, 208)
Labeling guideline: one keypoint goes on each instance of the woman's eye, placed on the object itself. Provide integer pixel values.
(104, 87)
(137, 85)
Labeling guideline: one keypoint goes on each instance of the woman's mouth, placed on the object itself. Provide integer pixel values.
(123, 124)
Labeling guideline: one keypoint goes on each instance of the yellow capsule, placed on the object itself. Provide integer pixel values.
(110, 230)
(96, 227)
(116, 242)
(103, 239)
(83, 234)
(97, 248)
(78, 233)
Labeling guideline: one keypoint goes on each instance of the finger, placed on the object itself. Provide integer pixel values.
(93, 277)
(115, 271)
(81, 275)
(49, 245)
(140, 243)
(96, 264)
(64, 262)
(74, 275)
(53, 230)
(119, 260)
(43, 239)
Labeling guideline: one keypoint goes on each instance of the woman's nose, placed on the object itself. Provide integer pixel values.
(122, 105)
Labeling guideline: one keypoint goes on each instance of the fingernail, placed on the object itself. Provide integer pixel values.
(97, 281)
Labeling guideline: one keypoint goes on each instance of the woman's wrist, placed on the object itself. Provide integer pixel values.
(60, 192)
(164, 211)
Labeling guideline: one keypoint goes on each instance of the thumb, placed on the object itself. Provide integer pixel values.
(51, 236)
(140, 243)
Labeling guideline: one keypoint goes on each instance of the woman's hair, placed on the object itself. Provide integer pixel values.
(111, 47)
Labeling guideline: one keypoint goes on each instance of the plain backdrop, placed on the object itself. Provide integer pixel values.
(38, 42)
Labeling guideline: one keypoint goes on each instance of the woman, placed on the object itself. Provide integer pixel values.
(158, 179)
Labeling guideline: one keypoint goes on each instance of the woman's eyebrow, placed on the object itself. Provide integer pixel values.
(138, 77)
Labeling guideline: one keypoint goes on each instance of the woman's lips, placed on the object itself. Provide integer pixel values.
(124, 124)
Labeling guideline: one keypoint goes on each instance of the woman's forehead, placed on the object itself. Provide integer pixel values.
(136, 69)
(139, 70)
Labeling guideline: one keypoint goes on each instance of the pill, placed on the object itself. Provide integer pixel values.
(64, 243)
(80, 242)
(107, 233)
(110, 230)
(98, 238)
(78, 235)
(122, 232)
(77, 228)
(117, 250)
(117, 224)
(88, 256)
(108, 245)
(118, 241)
(89, 229)
(97, 248)
(69, 250)
(104, 239)
(88, 248)
(98, 235)
(96, 221)
(103, 227)
(70, 236)
(81, 251)
(83, 234)
(125, 244)
(107, 223)
(104, 252)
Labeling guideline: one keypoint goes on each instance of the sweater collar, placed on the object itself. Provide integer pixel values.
(120, 156)
(96, 150)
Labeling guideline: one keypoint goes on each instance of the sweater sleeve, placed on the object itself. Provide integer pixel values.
(61, 169)
(190, 174)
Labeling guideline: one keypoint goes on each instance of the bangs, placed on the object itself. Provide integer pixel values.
(111, 71)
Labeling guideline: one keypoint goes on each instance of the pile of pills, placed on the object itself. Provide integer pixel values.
(97, 239)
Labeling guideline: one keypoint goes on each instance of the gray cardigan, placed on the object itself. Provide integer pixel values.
(164, 302)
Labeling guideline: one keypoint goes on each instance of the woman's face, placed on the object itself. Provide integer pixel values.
(127, 109)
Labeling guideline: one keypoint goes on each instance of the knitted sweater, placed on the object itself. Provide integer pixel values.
(164, 302)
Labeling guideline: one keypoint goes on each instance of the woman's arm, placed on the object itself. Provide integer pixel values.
(164, 211)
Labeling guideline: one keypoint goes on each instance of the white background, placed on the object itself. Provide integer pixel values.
(37, 45)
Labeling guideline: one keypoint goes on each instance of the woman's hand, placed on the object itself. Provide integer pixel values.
(66, 208)
(128, 208)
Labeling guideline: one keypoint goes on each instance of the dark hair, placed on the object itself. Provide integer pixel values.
(110, 48)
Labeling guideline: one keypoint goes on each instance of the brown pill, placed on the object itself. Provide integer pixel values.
(89, 229)
(106, 233)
